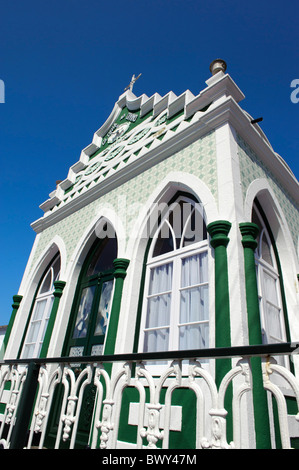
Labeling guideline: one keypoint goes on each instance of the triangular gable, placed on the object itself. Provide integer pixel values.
(136, 127)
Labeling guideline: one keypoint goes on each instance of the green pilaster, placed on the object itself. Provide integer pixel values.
(120, 271)
(249, 233)
(16, 304)
(219, 240)
(59, 286)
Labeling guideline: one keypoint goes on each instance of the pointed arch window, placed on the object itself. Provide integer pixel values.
(41, 311)
(93, 300)
(176, 306)
(271, 311)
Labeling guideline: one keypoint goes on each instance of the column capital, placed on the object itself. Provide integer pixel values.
(120, 267)
(16, 301)
(59, 286)
(249, 232)
(219, 231)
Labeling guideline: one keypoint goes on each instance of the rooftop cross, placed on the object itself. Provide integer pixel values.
(133, 80)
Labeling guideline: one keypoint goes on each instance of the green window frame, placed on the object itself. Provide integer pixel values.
(92, 302)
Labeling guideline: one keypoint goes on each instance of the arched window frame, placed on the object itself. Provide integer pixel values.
(196, 250)
(269, 285)
(41, 310)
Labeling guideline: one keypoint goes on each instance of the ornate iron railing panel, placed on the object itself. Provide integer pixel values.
(86, 398)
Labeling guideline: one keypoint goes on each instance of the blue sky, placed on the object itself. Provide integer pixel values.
(65, 63)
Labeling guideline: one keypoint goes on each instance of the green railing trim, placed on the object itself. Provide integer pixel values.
(261, 350)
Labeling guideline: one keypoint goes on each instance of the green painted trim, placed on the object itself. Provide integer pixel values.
(249, 233)
(59, 286)
(120, 271)
(17, 299)
(218, 231)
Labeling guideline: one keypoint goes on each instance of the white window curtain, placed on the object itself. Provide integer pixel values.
(158, 309)
(272, 310)
(194, 302)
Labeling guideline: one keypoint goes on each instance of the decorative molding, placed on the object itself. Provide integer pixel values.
(219, 231)
(249, 232)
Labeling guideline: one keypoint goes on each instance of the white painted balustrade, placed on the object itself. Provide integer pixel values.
(154, 415)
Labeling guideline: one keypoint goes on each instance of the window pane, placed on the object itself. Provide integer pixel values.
(47, 284)
(28, 351)
(158, 311)
(56, 269)
(156, 340)
(46, 316)
(194, 270)
(104, 257)
(194, 304)
(160, 279)
(84, 311)
(33, 332)
(39, 309)
(164, 243)
(273, 322)
(194, 336)
(274, 331)
(266, 250)
(104, 308)
(195, 229)
(51, 276)
(158, 308)
(35, 324)
(270, 288)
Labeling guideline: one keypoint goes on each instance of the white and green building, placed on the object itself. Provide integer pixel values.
(169, 253)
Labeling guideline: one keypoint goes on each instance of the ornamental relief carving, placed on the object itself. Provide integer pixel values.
(120, 143)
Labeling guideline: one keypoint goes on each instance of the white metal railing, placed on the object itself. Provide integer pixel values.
(153, 414)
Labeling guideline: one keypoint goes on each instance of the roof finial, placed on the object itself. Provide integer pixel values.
(218, 65)
(133, 80)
